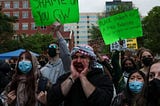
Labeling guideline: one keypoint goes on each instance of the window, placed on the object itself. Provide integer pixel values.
(7, 5)
(43, 27)
(111, 7)
(25, 4)
(93, 21)
(25, 26)
(66, 27)
(89, 37)
(16, 14)
(31, 15)
(83, 37)
(33, 27)
(16, 26)
(83, 42)
(93, 16)
(83, 31)
(7, 13)
(82, 26)
(82, 22)
(15, 4)
(25, 14)
(83, 16)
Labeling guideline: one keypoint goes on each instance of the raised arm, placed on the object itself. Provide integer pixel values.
(64, 51)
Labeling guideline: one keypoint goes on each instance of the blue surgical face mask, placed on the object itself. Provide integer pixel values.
(25, 66)
(136, 86)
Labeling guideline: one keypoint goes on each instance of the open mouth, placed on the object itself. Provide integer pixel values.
(79, 67)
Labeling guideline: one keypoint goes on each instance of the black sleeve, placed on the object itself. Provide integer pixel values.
(4, 80)
(103, 93)
(117, 101)
(54, 94)
(117, 72)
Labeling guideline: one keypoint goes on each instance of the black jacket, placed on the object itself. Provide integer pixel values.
(102, 95)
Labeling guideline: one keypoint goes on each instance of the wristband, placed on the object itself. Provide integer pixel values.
(72, 80)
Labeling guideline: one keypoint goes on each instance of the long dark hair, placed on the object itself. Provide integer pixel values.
(140, 98)
(131, 60)
(30, 79)
(145, 50)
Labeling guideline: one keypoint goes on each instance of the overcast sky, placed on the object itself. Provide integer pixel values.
(144, 6)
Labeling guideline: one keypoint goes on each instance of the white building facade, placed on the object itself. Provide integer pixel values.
(81, 29)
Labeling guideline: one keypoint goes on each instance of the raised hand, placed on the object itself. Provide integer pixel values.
(42, 97)
(74, 72)
(11, 97)
(86, 68)
(57, 26)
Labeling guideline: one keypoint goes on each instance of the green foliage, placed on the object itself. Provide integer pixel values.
(37, 43)
(95, 31)
(6, 27)
(96, 35)
(10, 45)
(151, 30)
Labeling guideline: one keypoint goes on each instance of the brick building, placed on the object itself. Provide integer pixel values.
(25, 23)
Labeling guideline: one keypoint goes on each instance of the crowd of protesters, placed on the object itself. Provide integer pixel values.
(81, 77)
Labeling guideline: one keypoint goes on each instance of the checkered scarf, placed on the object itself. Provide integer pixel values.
(85, 50)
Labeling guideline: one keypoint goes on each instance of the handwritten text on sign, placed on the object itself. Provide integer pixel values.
(121, 26)
(45, 12)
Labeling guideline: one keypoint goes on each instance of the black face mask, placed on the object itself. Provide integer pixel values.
(154, 87)
(42, 63)
(52, 52)
(13, 66)
(129, 69)
(147, 61)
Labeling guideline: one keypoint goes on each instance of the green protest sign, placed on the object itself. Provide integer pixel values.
(46, 12)
(121, 26)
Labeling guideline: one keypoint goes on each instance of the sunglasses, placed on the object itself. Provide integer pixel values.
(52, 46)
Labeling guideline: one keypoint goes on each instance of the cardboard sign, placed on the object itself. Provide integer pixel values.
(46, 12)
(116, 46)
(121, 26)
(132, 44)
